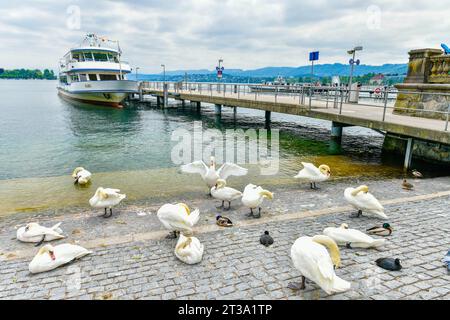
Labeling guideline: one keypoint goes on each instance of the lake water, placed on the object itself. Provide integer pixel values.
(43, 138)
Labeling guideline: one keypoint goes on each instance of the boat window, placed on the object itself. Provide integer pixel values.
(83, 77)
(76, 56)
(100, 56)
(88, 56)
(92, 77)
(74, 78)
(107, 77)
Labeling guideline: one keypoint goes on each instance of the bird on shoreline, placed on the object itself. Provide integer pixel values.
(389, 264)
(221, 192)
(416, 173)
(224, 222)
(35, 233)
(266, 239)
(311, 258)
(49, 257)
(310, 173)
(81, 176)
(407, 186)
(210, 175)
(106, 198)
(253, 197)
(178, 218)
(360, 198)
(352, 238)
(384, 230)
(189, 250)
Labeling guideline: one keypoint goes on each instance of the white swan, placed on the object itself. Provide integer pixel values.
(49, 257)
(35, 233)
(361, 199)
(310, 173)
(253, 196)
(81, 176)
(106, 198)
(189, 250)
(312, 259)
(222, 192)
(210, 175)
(352, 238)
(178, 218)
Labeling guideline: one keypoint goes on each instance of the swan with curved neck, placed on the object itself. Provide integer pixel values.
(361, 199)
(51, 257)
(253, 197)
(189, 250)
(81, 176)
(221, 192)
(178, 218)
(352, 238)
(310, 173)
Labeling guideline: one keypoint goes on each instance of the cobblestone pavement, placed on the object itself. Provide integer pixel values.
(132, 260)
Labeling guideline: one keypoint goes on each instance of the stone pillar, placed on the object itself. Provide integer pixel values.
(166, 95)
(218, 109)
(158, 101)
(336, 132)
(419, 66)
(267, 115)
(199, 105)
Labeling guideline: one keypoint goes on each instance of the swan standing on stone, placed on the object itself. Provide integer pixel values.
(49, 257)
(106, 198)
(189, 250)
(361, 199)
(352, 238)
(210, 175)
(35, 233)
(221, 192)
(81, 176)
(310, 173)
(253, 196)
(315, 263)
(178, 218)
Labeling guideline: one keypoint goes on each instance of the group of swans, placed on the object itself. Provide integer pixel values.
(310, 256)
(49, 257)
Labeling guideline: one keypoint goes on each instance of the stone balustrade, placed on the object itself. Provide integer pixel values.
(440, 69)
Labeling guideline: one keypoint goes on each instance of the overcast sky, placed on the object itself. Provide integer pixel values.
(247, 34)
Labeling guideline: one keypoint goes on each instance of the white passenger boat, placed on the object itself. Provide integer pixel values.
(94, 73)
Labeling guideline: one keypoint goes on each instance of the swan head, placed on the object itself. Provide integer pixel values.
(364, 189)
(344, 226)
(185, 206)
(75, 172)
(47, 249)
(325, 170)
(332, 248)
(31, 226)
(212, 162)
(101, 193)
(220, 183)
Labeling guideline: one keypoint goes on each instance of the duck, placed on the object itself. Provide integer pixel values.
(35, 233)
(81, 176)
(224, 222)
(416, 173)
(311, 258)
(253, 196)
(266, 239)
(352, 238)
(106, 198)
(49, 257)
(389, 264)
(361, 199)
(446, 260)
(310, 173)
(189, 250)
(221, 192)
(407, 186)
(384, 230)
(210, 175)
(178, 218)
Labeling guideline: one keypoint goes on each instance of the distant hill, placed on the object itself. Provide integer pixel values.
(321, 70)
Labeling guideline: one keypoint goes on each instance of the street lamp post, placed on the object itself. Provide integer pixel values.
(352, 63)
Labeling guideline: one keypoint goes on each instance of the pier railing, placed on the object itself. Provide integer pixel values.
(341, 99)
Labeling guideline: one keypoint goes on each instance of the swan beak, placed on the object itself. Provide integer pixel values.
(52, 255)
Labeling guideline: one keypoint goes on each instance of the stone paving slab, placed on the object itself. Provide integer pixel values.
(236, 266)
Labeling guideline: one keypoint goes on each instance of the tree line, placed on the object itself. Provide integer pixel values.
(27, 74)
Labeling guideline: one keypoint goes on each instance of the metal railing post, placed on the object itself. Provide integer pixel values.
(446, 121)
(328, 93)
(342, 101)
(310, 97)
(386, 93)
(276, 93)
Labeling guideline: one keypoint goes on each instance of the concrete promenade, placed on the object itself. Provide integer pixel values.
(132, 259)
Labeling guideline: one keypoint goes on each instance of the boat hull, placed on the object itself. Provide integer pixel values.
(109, 93)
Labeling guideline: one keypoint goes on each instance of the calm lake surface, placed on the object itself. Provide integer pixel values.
(43, 138)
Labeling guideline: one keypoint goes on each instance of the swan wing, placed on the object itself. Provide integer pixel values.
(347, 235)
(368, 201)
(195, 167)
(231, 169)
